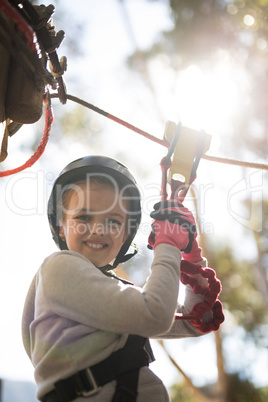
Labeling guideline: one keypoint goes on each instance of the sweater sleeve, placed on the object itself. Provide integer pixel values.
(28, 316)
(183, 328)
(77, 290)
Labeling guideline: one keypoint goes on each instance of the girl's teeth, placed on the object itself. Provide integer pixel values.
(94, 245)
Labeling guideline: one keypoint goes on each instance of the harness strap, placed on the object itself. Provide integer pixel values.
(126, 387)
(122, 365)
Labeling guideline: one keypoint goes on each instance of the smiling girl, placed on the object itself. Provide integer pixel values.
(86, 330)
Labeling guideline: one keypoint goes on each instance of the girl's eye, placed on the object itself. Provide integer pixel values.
(83, 218)
(114, 222)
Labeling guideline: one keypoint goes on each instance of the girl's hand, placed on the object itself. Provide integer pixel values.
(173, 224)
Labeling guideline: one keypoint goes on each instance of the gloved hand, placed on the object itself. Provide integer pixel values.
(173, 224)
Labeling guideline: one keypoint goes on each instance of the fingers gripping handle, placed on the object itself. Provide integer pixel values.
(173, 224)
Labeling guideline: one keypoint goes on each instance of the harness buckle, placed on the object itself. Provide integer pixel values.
(91, 380)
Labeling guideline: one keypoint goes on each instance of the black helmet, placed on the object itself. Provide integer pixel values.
(91, 165)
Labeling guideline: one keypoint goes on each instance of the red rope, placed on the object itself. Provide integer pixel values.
(32, 42)
(210, 293)
(110, 116)
(137, 130)
(39, 151)
(21, 23)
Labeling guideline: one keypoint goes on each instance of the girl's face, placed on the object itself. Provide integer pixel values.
(94, 223)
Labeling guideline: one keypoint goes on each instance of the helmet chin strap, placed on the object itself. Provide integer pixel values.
(106, 268)
(112, 275)
(121, 257)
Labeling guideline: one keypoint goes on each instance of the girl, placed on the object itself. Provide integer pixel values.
(86, 330)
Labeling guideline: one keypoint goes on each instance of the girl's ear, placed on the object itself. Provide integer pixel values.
(61, 232)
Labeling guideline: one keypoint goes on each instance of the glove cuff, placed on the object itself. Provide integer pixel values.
(195, 255)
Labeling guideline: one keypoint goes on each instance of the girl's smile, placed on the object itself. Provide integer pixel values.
(96, 246)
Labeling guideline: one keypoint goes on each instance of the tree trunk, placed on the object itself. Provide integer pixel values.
(222, 381)
(198, 394)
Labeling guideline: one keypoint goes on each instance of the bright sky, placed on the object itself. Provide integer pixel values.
(200, 100)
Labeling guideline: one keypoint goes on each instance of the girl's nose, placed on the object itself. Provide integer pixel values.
(97, 228)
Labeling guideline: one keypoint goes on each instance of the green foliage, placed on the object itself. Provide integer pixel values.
(239, 294)
(182, 393)
(200, 29)
(208, 25)
(238, 390)
(244, 391)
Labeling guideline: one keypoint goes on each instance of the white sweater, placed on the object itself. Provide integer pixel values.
(74, 316)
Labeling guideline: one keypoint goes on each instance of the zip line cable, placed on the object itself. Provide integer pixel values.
(49, 119)
(160, 141)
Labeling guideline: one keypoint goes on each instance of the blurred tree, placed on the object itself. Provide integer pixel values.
(261, 238)
(238, 391)
(206, 32)
(239, 292)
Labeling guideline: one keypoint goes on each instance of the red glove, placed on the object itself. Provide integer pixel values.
(174, 224)
(195, 254)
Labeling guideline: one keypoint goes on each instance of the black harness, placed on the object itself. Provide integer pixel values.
(122, 365)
